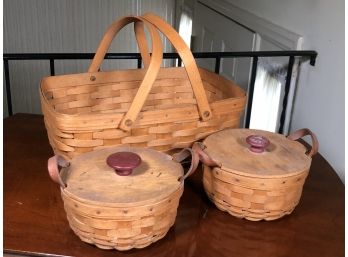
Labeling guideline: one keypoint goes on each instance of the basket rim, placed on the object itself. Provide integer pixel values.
(43, 97)
(270, 177)
(178, 191)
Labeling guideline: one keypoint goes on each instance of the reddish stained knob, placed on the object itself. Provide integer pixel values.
(123, 162)
(257, 143)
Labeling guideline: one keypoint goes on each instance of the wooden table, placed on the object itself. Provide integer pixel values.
(35, 222)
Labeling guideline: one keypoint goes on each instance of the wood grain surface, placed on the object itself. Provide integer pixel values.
(35, 223)
(283, 157)
(91, 179)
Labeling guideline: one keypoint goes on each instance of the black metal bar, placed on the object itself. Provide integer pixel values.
(217, 65)
(179, 62)
(52, 71)
(313, 59)
(251, 91)
(310, 54)
(68, 56)
(139, 63)
(286, 93)
(8, 88)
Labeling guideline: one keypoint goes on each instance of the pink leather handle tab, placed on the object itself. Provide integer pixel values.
(188, 60)
(304, 132)
(198, 148)
(53, 168)
(197, 154)
(258, 144)
(123, 162)
(182, 155)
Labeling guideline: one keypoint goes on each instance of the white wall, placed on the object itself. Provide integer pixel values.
(319, 100)
(66, 26)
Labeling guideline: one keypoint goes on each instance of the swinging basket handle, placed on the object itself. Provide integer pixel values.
(144, 89)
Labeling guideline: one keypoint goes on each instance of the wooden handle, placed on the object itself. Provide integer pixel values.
(149, 78)
(53, 169)
(304, 132)
(112, 31)
(152, 70)
(190, 66)
(188, 60)
(142, 43)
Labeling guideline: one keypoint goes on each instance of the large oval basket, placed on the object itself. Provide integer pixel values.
(121, 212)
(159, 108)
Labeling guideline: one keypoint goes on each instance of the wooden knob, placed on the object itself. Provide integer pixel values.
(123, 162)
(257, 143)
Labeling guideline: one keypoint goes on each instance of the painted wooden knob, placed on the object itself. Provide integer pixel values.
(123, 162)
(257, 143)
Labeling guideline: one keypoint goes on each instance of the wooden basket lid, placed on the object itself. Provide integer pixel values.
(90, 179)
(281, 158)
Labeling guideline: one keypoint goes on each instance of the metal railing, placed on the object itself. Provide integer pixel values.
(255, 55)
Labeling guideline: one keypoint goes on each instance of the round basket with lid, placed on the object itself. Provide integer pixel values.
(120, 197)
(254, 174)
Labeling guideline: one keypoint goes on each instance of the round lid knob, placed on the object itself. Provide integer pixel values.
(257, 143)
(123, 162)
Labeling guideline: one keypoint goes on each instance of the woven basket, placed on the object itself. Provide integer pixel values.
(122, 228)
(253, 198)
(160, 108)
(255, 185)
(120, 212)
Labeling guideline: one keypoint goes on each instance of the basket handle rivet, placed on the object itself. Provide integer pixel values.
(92, 78)
(128, 122)
(206, 114)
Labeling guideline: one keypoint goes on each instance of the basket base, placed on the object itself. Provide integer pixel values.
(107, 245)
(247, 214)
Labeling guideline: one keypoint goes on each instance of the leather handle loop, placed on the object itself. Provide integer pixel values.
(304, 132)
(182, 155)
(53, 169)
(188, 60)
(198, 148)
(197, 155)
